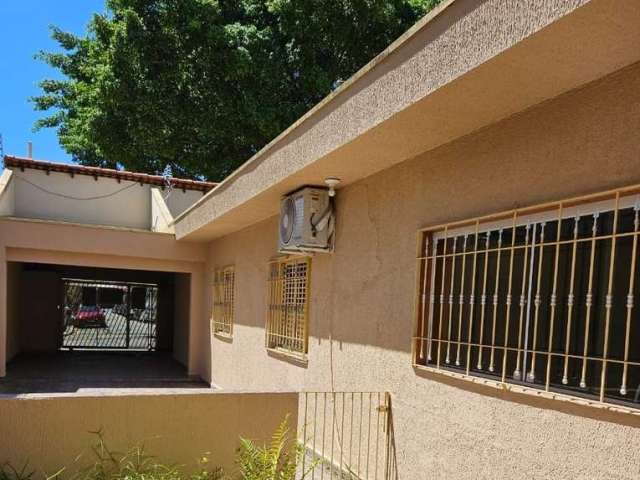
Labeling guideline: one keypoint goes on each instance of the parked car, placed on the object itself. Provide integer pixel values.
(89, 316)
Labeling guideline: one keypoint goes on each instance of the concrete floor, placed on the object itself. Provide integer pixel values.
(91, 371)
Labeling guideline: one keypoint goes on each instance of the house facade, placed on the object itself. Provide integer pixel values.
(485, 267)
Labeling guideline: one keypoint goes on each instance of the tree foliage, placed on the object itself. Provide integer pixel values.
(201, 85)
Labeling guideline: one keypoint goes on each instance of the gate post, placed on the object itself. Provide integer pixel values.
(128, 318)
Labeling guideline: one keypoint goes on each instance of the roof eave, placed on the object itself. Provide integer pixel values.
(13, 162)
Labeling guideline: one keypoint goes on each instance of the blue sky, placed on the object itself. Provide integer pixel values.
(24, 30)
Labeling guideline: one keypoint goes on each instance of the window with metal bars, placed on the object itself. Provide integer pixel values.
(223, 296)
(288, 309)
(541, 297)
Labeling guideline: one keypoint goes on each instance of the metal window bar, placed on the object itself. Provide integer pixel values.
(574, 266)
(288, 308)
(345, 435)
(105, 315)
(223, 301)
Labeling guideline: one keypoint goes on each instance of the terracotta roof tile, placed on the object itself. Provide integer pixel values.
(22, 163)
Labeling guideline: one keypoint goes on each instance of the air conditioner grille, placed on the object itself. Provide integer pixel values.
(287, 219)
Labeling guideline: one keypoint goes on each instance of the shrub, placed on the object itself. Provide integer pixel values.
(279, 460)
(135, 464)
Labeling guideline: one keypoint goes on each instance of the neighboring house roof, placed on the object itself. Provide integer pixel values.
(466, 65)
(184, 184)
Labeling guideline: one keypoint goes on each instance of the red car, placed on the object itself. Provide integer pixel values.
(89, 316)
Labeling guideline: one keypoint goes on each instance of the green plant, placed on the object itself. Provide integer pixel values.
(277, 461)
(202, 85)
(135, 464)
(8, 472)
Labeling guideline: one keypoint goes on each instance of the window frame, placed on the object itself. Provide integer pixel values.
(223, 302)
(612, 200)
(275, 325)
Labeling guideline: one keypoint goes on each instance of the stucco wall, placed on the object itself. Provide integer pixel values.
(179, 200)
(83, 199)
(38, 195)
(178, 429)
(7, 193)
(362, 296)
(13, 308)
(161, 218)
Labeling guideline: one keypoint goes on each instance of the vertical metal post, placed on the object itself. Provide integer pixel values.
(128, 317)
(483, 300)
(630, 294)
(432, 295)
(98, 307)
(453, 279)
(570, 300)
(461, 299)
(472, 296)
(304, 433)
(589, 301)
(508, 300)
(537, 302)
(517, 373)
(553, 300)
(609, 299)
(495, 304)
(387, 430)
(442, 296)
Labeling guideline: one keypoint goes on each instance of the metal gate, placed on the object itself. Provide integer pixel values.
(109, 315)
(346, 436)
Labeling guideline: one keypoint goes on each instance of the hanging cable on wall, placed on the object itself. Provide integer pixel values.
(71, 197)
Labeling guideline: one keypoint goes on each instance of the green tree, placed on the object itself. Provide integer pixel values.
(201, 85)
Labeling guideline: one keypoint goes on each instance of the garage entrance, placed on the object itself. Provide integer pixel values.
(72, 328)
(109, 315)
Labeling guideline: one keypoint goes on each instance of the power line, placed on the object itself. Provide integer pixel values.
(69, 197)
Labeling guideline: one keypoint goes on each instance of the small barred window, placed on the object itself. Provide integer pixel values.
(223, 295)
(288, 309)
(541, 297)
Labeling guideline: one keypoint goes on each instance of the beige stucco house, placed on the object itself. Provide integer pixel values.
(485, 266)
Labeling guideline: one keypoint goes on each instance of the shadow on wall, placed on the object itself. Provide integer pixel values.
(364, 293)
(571, 408)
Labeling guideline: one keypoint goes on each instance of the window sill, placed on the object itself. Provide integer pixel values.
(530, 391)
(300, 359)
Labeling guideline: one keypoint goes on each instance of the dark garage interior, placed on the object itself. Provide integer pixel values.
(71, 328)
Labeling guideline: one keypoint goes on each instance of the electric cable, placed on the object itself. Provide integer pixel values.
(71, 197)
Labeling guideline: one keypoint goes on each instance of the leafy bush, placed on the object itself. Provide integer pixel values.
(277, 461)
(135, 464)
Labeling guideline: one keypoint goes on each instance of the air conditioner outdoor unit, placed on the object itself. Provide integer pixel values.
(306, 221)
